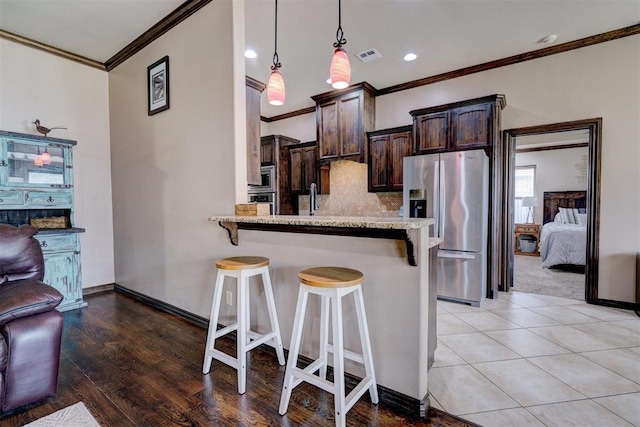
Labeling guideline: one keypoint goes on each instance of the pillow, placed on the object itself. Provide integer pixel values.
(582, 210)
(581, 219)
(568, 215)
(558, 218)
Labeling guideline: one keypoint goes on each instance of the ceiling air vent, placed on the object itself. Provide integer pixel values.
(368, 55)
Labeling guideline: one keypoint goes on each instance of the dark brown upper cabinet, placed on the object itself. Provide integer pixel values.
(458, 126)
(343, 118)
(253, 90)
(303, 167)
(387, 149)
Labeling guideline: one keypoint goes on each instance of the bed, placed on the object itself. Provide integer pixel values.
(563, 237)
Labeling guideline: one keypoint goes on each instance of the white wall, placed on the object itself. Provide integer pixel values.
(556, 170)
(173, 170)
(35, 84)
(596, 81)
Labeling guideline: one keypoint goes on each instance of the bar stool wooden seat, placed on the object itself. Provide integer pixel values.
(331, 284)
(242, 269)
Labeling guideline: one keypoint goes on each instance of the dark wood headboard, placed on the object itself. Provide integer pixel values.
(562, 199)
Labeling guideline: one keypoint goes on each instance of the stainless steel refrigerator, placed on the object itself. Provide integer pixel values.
(453, 188)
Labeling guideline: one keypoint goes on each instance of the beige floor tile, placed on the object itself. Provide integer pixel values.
(477, 347)
(526, 383)
(442, 310)
(570, 338)
(557, 300)
(486, 321)
(584, 375)
(581, 413)
(498, 304)
(463, 390)
(603, 313)
(519, 417)
(611, 334)
(526, 300)
(449, 324)
(562, 315)
(434, 402)
(526, 343)
(446, 357)
(620, 361)
(633, 324)
(626, 406)
(525, 318)
(634, 349)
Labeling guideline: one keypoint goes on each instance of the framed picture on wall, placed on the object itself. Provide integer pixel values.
(158, 86)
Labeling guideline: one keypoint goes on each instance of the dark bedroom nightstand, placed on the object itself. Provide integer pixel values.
(532, 230)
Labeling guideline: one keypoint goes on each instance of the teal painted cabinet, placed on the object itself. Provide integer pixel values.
(36, 181)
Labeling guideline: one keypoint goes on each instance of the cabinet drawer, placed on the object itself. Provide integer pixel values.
(11, 198)
(526, 229)
(49, 199)
(58, 242)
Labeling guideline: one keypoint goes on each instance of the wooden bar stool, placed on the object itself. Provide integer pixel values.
(241, 268)
(331, 284)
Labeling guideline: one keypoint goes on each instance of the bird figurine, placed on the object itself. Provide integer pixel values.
(45, 130)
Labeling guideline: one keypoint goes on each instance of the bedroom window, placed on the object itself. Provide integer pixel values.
(525, 187)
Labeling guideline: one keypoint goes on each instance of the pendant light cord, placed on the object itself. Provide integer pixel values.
(340, 40)
(276, 58)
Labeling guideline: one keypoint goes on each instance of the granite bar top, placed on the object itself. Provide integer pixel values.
(60, 230)
(391, 223)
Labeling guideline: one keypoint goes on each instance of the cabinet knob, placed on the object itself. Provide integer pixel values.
(44, 244)
(50, 199)
(1, 200)
(3, 163)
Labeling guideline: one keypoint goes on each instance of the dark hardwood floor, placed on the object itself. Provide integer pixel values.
(133, 365)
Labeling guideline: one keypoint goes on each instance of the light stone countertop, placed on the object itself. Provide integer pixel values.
(331, 221)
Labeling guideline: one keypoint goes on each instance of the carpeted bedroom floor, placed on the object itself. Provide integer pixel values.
(530, 277)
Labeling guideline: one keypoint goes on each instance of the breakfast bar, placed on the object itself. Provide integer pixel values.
(395, 256)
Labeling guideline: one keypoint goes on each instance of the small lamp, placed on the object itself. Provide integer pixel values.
(530, 202)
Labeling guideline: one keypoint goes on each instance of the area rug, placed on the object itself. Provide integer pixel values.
(72, 416)
(530, 277)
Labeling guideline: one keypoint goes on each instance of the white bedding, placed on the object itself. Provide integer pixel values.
(563, 244)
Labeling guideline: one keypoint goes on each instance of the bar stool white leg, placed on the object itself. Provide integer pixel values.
(338, 359)
(324, 334)
(366, 344)
(243, 282)
(273, 317)
(213, 323)
(294, 350)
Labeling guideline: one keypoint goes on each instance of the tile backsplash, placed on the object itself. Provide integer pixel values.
(349, 196)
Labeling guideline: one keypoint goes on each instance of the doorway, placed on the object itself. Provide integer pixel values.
(592, 128)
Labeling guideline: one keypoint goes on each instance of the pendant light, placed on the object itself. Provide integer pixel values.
(340, 71)
(37, 160)
(275, 86)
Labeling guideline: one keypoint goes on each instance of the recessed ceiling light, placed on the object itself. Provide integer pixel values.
(250, 54)
(548, 39)
(410, 57)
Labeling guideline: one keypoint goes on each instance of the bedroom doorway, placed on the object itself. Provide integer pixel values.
(533, 196)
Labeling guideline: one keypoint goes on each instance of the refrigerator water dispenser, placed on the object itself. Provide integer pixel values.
(418, 203)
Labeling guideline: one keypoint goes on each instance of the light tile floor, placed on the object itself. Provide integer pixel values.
(534, 360)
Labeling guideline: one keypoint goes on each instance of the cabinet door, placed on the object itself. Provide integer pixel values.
(399, 148)
(431, 132)
(61, 271)
(267, 151)
(378, 163)
(35, 164)
(253, 135)
(471, 127)
(350, 134)
(309, 168)
(296, 163)
(328, 131)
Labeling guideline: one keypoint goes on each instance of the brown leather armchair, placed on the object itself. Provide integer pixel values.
(30, 327)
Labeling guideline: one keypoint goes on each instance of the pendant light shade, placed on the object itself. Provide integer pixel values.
(38, 160)
(340, 70)
(275, 86)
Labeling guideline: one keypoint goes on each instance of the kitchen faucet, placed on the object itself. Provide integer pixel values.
(314, 205)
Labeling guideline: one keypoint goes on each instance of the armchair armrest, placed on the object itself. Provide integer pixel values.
(21, 298)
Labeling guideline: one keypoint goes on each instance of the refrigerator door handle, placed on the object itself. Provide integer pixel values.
(441, 193)
(455, 255)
